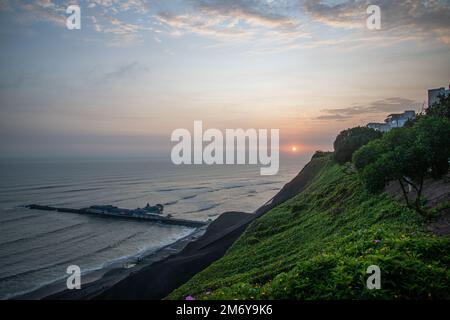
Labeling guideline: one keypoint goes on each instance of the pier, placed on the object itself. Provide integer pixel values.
(114, 212)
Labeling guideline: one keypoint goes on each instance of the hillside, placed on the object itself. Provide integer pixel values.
(318, 245)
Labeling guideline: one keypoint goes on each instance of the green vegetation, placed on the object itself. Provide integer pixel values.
(440, 108)
(350, 140)
(319, 244)
(407, 155)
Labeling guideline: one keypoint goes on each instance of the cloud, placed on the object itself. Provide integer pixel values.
(103, 16)
(235, 19)
(29, 12)
(122, 32)
(212, 26)
(124, 71)
(423, 18)
(267, 25)
(283, 22)
(115, 6)
(263, 13)
(388, 105)
(350, 14)
(335, 117)
(108, 17)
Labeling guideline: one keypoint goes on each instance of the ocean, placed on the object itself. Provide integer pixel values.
(36, 247)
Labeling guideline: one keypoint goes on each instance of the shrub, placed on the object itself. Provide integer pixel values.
(407, 155)
(440, 108)
(350, 140)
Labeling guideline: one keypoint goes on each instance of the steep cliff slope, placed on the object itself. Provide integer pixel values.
(319, 244)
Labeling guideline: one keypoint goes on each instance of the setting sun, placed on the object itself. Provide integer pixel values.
(294, 149)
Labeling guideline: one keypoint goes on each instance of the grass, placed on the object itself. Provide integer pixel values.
(319, 244)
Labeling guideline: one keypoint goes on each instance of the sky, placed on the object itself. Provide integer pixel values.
(137, 70)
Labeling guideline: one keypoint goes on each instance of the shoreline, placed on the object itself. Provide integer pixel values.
(95, 281)
(157, 280)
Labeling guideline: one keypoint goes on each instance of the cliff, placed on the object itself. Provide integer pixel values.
(317, 238)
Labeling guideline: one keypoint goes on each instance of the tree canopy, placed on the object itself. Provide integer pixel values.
(407, 155)
(441, 108)
(350, 140)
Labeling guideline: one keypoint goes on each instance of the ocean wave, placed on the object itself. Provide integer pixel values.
(212, 206)
(20, 218)
(80, 190)
(189, 197)
(42, 234)
(107, 264)
(48, 187)
(70, 260)
(69, 241)
(180, 188)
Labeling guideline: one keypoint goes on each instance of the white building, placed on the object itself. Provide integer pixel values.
(395, 120)
(433, 95)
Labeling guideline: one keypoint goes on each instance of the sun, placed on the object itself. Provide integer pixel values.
(294, 149)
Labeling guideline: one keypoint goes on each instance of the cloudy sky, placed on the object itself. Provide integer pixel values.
(139, 69)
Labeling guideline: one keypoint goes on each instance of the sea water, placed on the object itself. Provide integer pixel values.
(36, 247)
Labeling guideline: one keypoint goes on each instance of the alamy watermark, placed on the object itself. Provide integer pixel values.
(73, 22)
(373, 22)
(374, 280)
(74, 280)
(241, 146)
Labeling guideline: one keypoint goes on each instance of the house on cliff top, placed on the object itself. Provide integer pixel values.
(395, 120)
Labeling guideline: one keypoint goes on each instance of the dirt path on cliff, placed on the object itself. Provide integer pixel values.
(436, 192)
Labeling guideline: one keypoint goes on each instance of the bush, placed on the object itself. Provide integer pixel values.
(350, 140)
(440, 108)
(407, 155)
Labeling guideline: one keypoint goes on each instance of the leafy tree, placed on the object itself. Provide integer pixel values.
(433, 136)
(350, 140)
(407, 155)
(441, 108)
